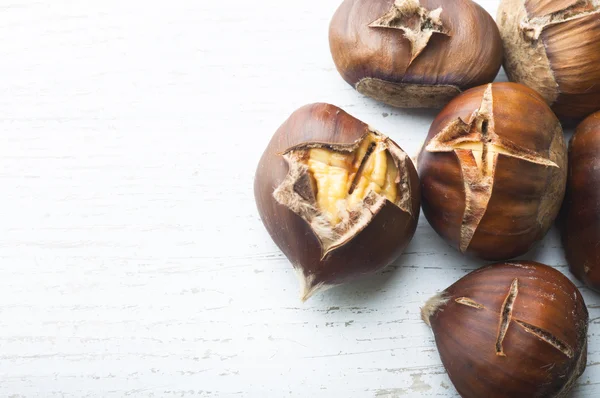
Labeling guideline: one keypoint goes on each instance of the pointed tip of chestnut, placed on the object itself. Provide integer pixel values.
(309, 286)
(306, 293)
(431, 306)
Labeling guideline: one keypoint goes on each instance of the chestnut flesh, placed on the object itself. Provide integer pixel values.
(338, 198)
(511, 330)
(554, 48)
(414, 53)
(581, 209)
(493, 171)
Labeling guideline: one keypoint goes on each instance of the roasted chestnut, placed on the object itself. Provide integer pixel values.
(414, 53)
(581, 209)
(554, 48)
(493, 171)
(511, 330)
(339, 199)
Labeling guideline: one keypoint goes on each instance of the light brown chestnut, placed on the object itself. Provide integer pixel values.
(554, 48)
(493, 171)
(414, 53)
(340, 199)
(581, 209)
(511, 330)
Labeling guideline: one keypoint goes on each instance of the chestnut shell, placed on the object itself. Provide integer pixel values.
(374, 247)
(563, 37)
(543, 348)
(525, 196)
(377, 60)
(581, 209)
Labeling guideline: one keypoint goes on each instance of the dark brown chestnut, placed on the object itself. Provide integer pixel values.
(581, 209)
(553, 46)
(493, 171)
(414, 53)
(339, 199)
(511, 330)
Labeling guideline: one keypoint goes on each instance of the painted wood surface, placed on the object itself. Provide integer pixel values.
(132, 258)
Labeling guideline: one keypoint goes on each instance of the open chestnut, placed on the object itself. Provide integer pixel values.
(511, 330)
(338, 198)
(493, 171)
(554, 48)
(414, 53)
(581, 209)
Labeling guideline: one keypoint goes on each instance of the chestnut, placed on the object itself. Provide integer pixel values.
(554, 48)
(338, 198)
(511, 330)
(493, 171)
(414, 53)
(580, 219)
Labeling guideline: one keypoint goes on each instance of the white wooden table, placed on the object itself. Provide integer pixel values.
(133, 261)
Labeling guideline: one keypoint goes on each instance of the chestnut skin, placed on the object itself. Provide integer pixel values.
(420, 58)
(580, 218)
(374, 246)
(554, 47)
(498, 207)
(511, 330)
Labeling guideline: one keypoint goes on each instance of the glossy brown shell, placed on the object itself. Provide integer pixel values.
(375, 247)
(470, 56)
(581, 209)
(526, 197)
(531, 367)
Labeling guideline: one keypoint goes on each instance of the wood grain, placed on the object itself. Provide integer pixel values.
(132, 258)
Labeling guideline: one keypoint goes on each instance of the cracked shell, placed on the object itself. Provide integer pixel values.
(511, 330)
(581, 209)
(563, 37)
(339, 199)
(414, 53)
(493, 171)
